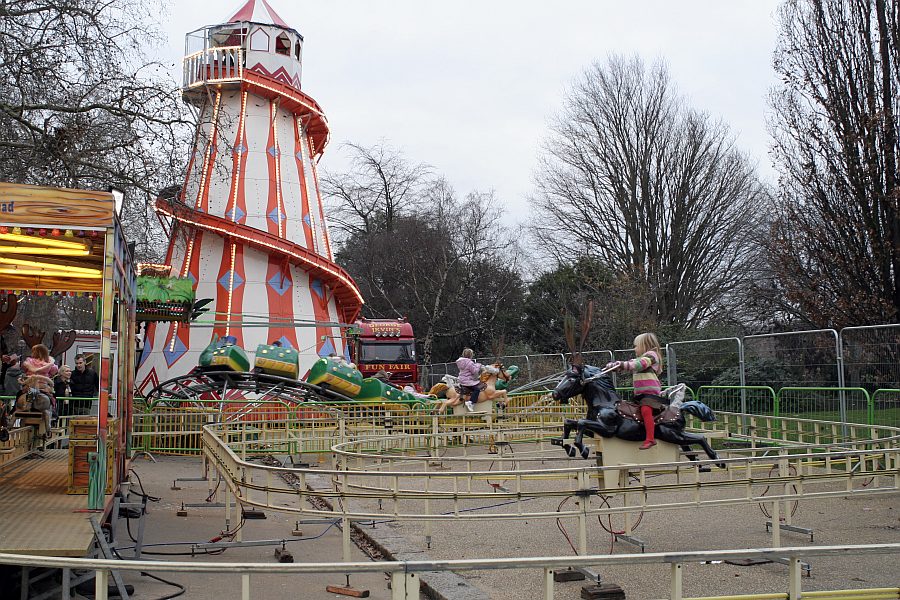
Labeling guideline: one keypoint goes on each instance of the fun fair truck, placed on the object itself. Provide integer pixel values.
(386, 344)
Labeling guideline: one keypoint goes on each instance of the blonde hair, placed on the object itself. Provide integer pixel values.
(468, 353)
(646, 342)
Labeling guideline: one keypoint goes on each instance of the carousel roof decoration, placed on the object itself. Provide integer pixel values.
(164, 298)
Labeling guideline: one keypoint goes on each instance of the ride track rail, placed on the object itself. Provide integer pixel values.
(203, 389)
(431, 487)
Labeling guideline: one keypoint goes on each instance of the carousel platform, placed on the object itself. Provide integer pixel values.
(37, 516)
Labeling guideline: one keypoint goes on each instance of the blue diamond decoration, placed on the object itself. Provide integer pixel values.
(240, 149)
(273, 151)
(347, 353)
(299, 155)
(285, 343)
(224, 279)
(236, 214)
(145, 353)
(327, 348)
(307, 220)
(273, 216)
(193, 279)
(317, 287)
(175, 353)
(279, 283)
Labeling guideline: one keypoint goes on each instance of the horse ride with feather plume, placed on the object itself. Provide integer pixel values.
(609, 416)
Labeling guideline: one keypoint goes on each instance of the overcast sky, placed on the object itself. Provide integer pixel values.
(468, 86)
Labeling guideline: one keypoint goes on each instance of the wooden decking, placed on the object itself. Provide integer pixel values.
(36, 515)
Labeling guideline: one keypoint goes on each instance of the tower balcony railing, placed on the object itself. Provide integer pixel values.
(213, 65)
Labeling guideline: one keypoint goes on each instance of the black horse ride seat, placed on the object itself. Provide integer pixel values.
(630, 410)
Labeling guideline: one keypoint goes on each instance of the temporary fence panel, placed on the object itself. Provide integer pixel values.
(508, 360)
(871, 356)
(697, 363)
(886, 407)
(759, 400)
(545, 365)
(824, 404)
(794, 359)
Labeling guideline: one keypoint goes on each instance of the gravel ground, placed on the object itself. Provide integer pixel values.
(318, 543)
(834, 521)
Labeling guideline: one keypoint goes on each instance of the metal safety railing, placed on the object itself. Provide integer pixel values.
(312, 427)
(395, 471)
(405, 575)
(213, 65)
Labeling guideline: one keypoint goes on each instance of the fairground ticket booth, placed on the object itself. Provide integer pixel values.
(54, 482)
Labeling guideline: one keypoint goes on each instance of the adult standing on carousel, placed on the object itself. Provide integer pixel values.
(85, 383)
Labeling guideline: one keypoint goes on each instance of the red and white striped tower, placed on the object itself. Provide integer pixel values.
(249, 226)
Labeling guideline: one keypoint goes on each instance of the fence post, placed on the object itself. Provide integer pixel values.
(840, 373)
(671, 365)
(582, 518)
(677, 582)
(404, 586)
(245, 586)
(743, 382)
(794, 572)
(101, 584)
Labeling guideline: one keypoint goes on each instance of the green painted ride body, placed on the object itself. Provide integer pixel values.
(337, 374)
(277, 360)
(331, 372)
(230, 357)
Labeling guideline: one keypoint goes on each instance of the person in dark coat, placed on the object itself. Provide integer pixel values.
(11, 385)
(85, 383)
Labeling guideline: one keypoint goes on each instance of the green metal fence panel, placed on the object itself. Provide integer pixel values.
(759, 399)
(886, 407)
(824, 404)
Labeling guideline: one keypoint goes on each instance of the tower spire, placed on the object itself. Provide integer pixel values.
(257, 11)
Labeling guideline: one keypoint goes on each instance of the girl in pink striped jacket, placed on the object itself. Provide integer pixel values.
(646, 367)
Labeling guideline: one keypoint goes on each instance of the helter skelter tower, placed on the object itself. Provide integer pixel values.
(249, 226)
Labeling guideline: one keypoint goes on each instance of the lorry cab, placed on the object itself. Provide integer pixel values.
(388, 345)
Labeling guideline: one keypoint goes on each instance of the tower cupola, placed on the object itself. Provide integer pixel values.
(256, 36)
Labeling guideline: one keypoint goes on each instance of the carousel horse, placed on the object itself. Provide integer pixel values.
(490, 393)
(607, 416)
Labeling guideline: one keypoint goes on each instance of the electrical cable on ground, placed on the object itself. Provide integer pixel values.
(181, 588)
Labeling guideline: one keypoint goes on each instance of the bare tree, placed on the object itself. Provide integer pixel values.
(653, 189)
(83, 105)
(450, 266)
(836, 244)
(380, 186)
